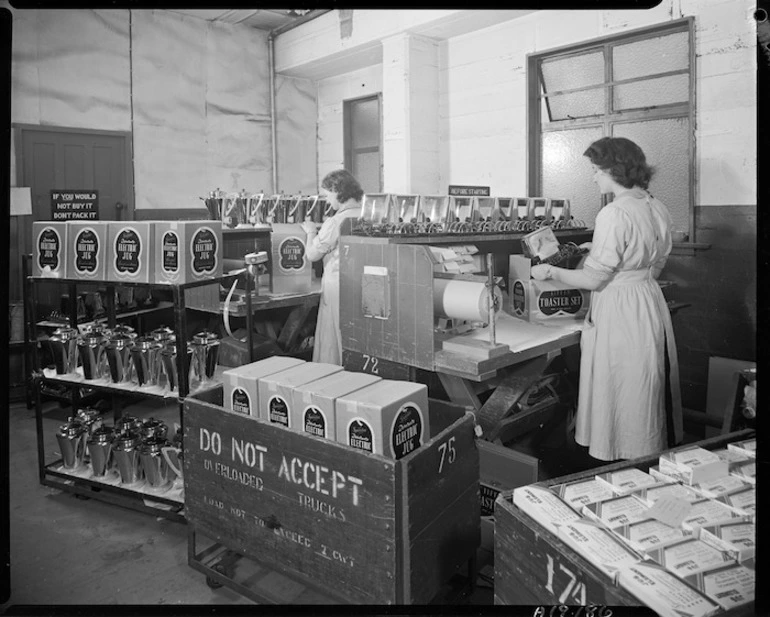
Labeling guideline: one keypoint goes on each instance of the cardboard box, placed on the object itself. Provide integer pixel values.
(650, 534)
(747, 447)
(541, 300)
(670, 475)
(241, 384)
(290, 269)
(650, 494)
(187, 251)
(544, 507)
(625, 481)
(694, 463)
(276, 391)
(689, 556)
(617, 510)
(581, 492)
(313, 407)
(130, 255)
(388, 418)
(714, 488)
(597, 544)
(731, 456)
(737, 539)
(745, 471)
(663, 592)
(743, 501)
(709, 512)
(729, 586)
(88, 245)
(49, 249)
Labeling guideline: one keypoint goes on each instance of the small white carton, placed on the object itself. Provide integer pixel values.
(241, 384)
(581, 492)
(625, 481)
(745, 471)
(544, 507)
(743, 501)
(670, 475)
(709, 512)
(747, 447)
(729, 586)
(689, 556)
(737, 539)
(714, 488)
(696, 463)
(663, 592)
(617, 510)
(650, 494)
(650, 534)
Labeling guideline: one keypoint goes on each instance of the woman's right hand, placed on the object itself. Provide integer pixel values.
(309, 227)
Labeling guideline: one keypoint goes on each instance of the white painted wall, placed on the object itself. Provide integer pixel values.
(482, 93)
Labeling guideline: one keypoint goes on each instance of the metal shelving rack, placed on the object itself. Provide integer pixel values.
(50, 474)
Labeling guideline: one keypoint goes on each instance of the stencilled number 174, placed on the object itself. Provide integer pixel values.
(573, 589)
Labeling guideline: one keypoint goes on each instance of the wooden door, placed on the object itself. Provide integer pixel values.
(51, 158)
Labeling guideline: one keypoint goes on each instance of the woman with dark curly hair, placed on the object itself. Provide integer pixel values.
(343, 193)
(629, 401)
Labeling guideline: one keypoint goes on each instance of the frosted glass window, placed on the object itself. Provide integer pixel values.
(651, 56)
(570, 72)
(576, 104)
(366, 169)
(565, 173)
(365, 123)
(651, 92)
(666, 145)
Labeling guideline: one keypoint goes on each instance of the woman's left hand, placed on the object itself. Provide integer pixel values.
(309, 227)
(541, 272)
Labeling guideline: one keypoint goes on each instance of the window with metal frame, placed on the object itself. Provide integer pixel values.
(638, 84)
(363, 141)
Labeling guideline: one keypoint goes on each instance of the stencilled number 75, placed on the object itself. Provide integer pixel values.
(448, 453)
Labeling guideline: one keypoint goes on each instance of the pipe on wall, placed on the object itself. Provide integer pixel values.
(273, 129)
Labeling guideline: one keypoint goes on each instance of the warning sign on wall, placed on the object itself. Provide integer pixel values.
(69, 205)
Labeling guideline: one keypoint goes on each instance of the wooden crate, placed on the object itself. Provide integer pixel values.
(533, 566)
(365, 528)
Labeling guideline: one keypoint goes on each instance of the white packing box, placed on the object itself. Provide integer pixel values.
(241, 384)
(130, 257)
(747, 447)
(625, 481)
(650, 494)
(276, 391)
(87, 251)
(731, 456)
(745, 471)
(695, 463)
(544, 507)
(650, 534)
(714, 488)
(49, 249)
(669, 475)
(617, 510)
(597, 544)
(314, 403)
(581, 492)
(709, 512)
(729, 586)
(665, 593)
(689, 556)
(743, 501)
(737, 539)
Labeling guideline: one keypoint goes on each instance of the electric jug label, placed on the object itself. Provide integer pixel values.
(86, 251)
(519, 300)
(128, 250)
(204, 251)
(406, 431)
(292, 254)
(49, 249)
(170, 252)
(241, 402)
(279, 411)
(360, 435)
(314, 422)
(560, 301)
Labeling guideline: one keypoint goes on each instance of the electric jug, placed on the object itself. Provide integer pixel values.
(154, 465)
(72, 443)
(91, 352)
(153, 428)
(205, 353)
(100, 449)
(125, 453)
(117, 350)
(145, 360)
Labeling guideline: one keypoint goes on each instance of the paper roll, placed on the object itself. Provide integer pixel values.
(466, 300)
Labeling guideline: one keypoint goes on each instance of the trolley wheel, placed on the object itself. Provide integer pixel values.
(83, 497)
(212, 583)
(220, 569)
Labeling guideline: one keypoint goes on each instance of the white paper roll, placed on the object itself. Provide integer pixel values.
(467, 300)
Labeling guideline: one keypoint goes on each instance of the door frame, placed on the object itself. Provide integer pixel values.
(20, 129)
(347, 138)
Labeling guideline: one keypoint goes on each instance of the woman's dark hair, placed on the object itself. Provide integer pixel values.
(622, 159)
(343, 184)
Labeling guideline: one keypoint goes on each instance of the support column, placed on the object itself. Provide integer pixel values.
(410, 101)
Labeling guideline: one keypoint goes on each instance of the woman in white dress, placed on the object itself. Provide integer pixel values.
(629, 402)
(343, 193)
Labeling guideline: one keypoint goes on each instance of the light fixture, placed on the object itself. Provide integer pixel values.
(298, 12)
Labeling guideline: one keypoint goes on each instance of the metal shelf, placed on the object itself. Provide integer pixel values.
(180, 286)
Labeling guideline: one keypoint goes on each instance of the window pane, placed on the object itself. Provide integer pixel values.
(566, 173)
(651, 92)
(365, 123)
(665, 144)
(651, 56)
(566, 73)
(366, 169)
(577, 104)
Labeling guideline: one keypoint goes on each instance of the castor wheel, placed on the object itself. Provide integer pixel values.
(220, 569)
(83, 497)
(212, 583)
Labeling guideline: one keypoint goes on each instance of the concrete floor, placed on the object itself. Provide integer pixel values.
(71, 551)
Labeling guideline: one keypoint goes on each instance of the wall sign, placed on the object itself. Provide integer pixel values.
(459, 190)
(71, 205)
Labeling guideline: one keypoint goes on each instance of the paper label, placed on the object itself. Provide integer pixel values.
(519, 298)
(360, 435)
(618, 511)
(128, 250)
(691, 557)
(278, 411)
(86, 251)
(406, 432)
(49, 249)
(670, 509)
(730, 587)
(543, 506)
(241, 401)
(694, 457)
(170, 252)
(314, 421)
(583, 492)
(291, 253)
(597, 545)
(204, 251)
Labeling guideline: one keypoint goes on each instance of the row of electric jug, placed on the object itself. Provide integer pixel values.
(120, 355)
(134, 449)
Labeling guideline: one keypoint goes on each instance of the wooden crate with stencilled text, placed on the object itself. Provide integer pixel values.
(365, 528)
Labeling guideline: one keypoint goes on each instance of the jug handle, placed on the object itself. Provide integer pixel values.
(165, 450)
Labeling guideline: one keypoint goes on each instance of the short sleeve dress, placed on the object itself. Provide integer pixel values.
(629, 402)
(327, 346)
